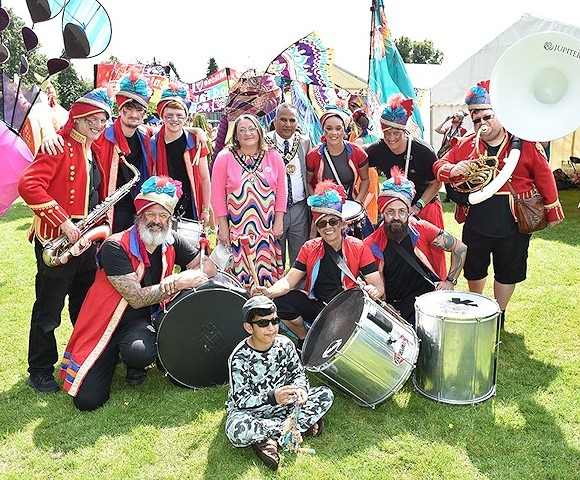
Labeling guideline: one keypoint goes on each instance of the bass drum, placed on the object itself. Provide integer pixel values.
(346, 346)
(459, 342)
(199, 330)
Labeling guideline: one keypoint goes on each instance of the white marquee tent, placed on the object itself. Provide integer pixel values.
(447, 96)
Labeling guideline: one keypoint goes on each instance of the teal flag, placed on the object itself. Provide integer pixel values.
(387, 72)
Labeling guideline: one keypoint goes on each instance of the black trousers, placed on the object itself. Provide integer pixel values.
(297, 304)
(135, 341)
(52, 285)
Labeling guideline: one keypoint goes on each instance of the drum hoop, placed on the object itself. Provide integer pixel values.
(164, 318)
(358, 214)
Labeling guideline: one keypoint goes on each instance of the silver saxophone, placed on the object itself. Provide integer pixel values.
(59, 250)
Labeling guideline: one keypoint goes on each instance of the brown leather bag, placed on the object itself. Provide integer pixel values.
(530, 212)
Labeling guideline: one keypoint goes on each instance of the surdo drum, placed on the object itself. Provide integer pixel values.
(459, 344)
(198, 331)
(347, 347)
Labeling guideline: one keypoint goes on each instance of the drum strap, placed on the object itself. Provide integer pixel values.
(410, 260)
(331, 163)
(378, 321)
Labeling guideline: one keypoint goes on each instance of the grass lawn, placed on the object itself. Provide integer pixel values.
(529, 430)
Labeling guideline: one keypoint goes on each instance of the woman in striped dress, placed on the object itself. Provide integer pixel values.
(248, 197)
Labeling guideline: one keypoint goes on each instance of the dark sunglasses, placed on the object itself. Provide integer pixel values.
(485, 118)
(333, 222)
(264, 322)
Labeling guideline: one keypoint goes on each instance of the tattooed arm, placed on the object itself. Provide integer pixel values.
(458, 250)
(137, 296)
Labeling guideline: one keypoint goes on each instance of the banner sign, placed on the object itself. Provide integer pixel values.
(211, 93)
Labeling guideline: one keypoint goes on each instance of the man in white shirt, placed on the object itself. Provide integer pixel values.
(293, 147)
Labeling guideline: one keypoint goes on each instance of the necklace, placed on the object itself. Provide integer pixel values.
(250, 163)
(288, 156)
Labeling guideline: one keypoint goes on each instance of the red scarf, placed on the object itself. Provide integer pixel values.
(161, 158)
(120, 137)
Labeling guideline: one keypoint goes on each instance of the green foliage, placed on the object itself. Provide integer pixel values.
(12, 39)
(70, 87)
(529, 430)
(418, 52)
(212, 67)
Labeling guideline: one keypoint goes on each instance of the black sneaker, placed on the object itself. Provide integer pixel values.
(43, 383)
(135, 376)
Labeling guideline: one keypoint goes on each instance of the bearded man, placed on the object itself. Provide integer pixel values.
(403, 247)
(135, 279)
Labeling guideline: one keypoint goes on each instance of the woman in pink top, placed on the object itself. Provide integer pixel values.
(248, 197)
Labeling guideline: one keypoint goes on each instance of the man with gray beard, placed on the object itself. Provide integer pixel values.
(134, 281)
(402, 249)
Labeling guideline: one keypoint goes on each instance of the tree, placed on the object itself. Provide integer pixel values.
(419, 52)
(69, 87)
(12, 39)
(212, 67)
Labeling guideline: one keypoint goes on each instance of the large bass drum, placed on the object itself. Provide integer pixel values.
(199, 330)
(346, 346)
(459, 342)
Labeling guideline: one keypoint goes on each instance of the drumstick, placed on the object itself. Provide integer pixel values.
(203, 249)
(245, 243)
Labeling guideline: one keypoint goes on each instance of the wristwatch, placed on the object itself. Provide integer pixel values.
(451, 280)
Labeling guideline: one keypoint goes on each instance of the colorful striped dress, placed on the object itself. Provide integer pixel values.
(249, 196)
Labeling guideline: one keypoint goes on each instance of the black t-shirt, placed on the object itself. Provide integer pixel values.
(329, 280)
(115, 261)
(492, 217)
(177, 171)
(125, 208)
(402, 281)
(420, 164)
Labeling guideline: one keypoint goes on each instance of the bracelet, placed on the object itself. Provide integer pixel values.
(205, 210)
(420, 203)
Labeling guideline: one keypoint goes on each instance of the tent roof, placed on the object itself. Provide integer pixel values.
(347, 80)
(452, 88)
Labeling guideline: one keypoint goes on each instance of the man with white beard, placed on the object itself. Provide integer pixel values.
(134, 281)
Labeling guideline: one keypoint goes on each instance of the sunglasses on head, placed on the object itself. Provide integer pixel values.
(264, 322)
(485, 118)
(333, 222)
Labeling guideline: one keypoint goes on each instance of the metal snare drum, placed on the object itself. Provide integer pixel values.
(354, 214)
(459, 343)
(199, 330)
(346, 346)
(190, 229)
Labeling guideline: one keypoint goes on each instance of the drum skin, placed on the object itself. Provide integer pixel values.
(190, 229)
(347, 347)
(198, 332)
(459, 341)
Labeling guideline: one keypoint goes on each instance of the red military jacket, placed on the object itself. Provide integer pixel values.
(531, 171)
(56, 187)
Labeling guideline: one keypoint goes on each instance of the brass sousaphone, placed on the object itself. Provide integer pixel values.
(535, 94)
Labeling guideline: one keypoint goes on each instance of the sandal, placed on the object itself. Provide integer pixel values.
(310, 431)
(267, 450)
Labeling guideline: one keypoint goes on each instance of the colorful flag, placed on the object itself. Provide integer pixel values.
(387, 72)
(306, 61)
(305, 111)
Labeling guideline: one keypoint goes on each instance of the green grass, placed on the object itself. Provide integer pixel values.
(529, 430)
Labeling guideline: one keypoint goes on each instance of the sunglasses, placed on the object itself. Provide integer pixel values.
(485, 118)
(264, 322)
(333, 222)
